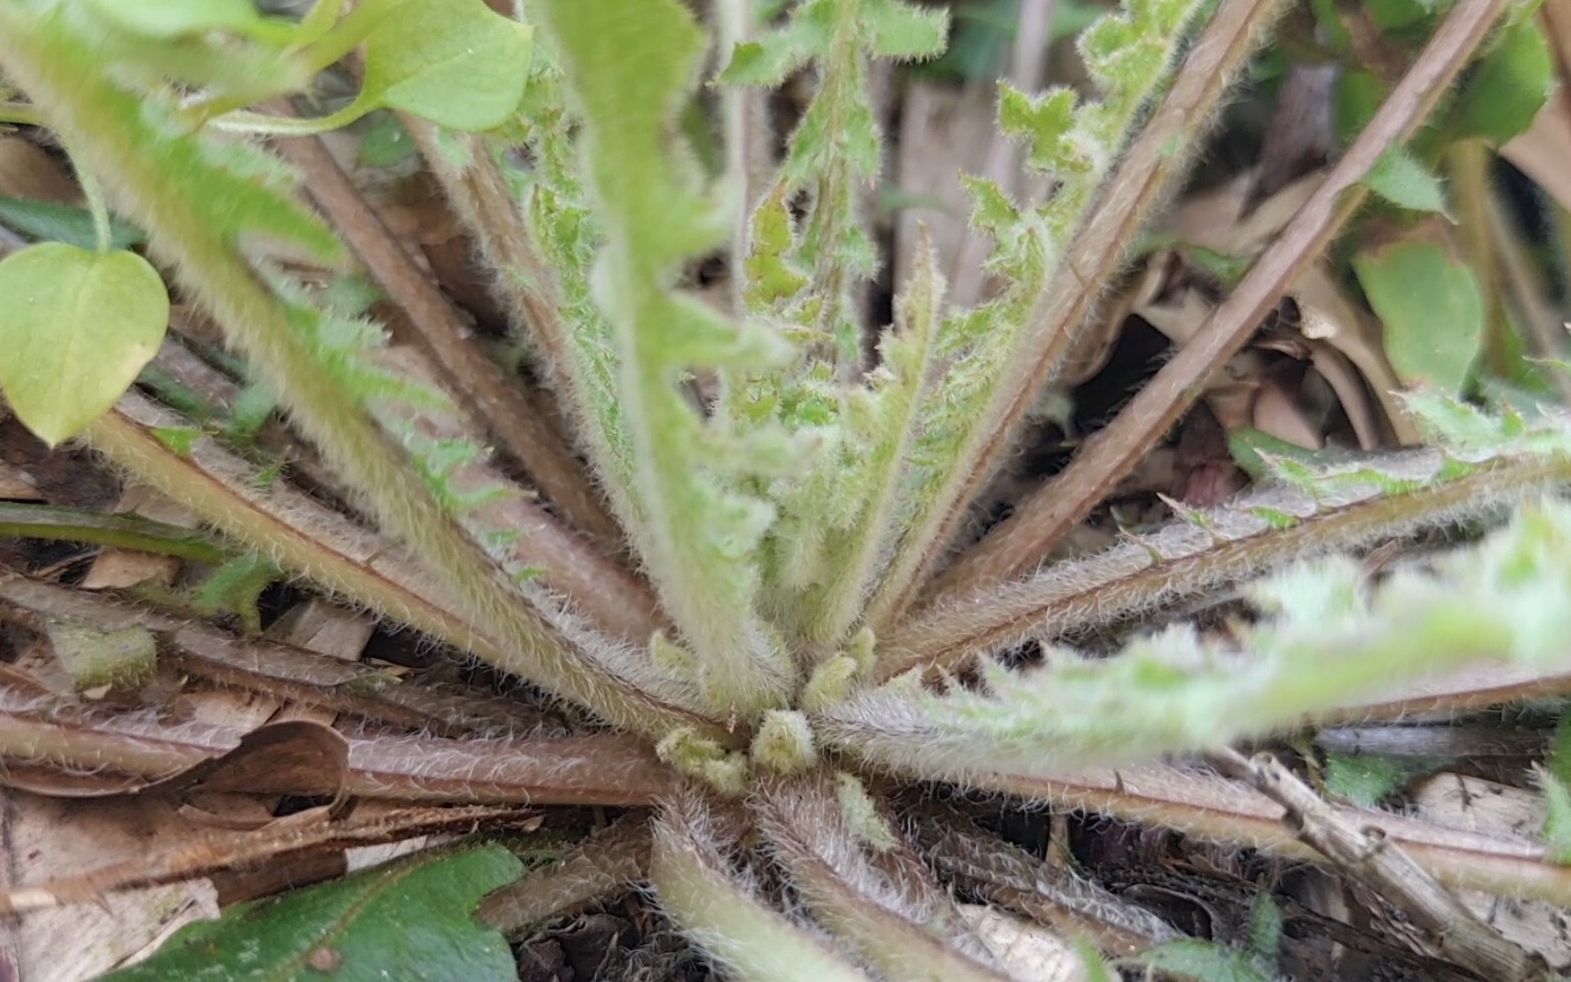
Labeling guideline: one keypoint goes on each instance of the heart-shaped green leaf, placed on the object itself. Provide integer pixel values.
(1511, 85)
(457, 64)
(75, 329)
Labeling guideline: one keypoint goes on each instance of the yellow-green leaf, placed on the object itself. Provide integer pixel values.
(458, 64)
(177, 18)
(75, 329)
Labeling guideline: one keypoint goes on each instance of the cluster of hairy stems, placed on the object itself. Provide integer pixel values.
(758, 587)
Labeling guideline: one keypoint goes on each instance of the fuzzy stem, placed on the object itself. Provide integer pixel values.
(697, 534)
(1050, 512)
(834, 212)
(133, 752)
(606, 864)
(1214, 809)
(723, 913)
(115, 531)
(478, 190)
(1146, 574)
(103, 124)
(1053, 894)
(739, 107)
(856, 557)
(899, 938)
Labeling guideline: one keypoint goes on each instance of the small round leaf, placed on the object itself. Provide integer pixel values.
(76, 328)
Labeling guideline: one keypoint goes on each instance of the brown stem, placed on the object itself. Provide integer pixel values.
(475, 379)
(1185, 560)
(600, 769)
(606, 864)
(1365, 853)
(479, 192)
(1010, 876)
(1049, 513)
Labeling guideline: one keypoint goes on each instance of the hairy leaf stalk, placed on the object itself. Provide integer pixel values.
(104, 126)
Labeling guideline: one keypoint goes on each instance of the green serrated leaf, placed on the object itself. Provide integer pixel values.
(1511, 85)
(76, 328)
(405, 920)
(250, 412)
(49, 221)
(235, 588)
(768, 59)
(1399, 178)
(1432, 309)
(1557, 818)
(180, 440)
(1265, 929)
(1555, 778)
(903, 31)
(1358, 95)
(1367, 779)
(1395, 15)
(1203, 961)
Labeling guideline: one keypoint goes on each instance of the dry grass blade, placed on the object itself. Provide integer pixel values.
(269, 667)
(1364, 852)
(1049, 513)
(278, 841)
